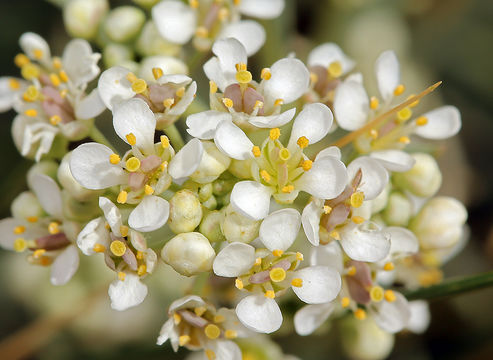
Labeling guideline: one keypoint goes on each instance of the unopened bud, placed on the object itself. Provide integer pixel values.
(185, 212)
(116, 54)
(146, 3)
(213, 164)
(150, 42)
(241, 168)
(82, 17)
(169, 64)
(211, 226)
(46, 167)
(26, 206)
(124, 23)
(424, 179)
(236, 227)
(398, 211)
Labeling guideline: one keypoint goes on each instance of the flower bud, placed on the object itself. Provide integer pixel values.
(211, 226)
(398, 211)
(116, 54)
(213, 164)
(439, 223)
(71, 185)
(150, 42)
(380, 202)
(124, 23)
(221, 187)
(424, 179)
(146, 3)
(241, 168)
(236, 227)
(82, 17)
(189, 253)
(45, 167)
(168, 64)
(185, 212)
(26, 205)
(210, 203)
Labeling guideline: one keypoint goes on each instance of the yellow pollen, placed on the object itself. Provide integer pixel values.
(163, 166)
(219, 319)
(230, 334)
(399, 90)
(32, 219)
(124, 230)
(258, 104)
(278, 102)
(335, 234)
(63, 93)
(180, 92)
(307, 165)
(374, 133)
(131, 77)
(335, 69)
(223, 14)
(55, 80)
(19, 229)
(389, 296)
(287, 189)
(297, 282)
(45, 261)
(358, 219)
(122, 197)
(164, 141)
(212, 87)
(63, 76)
(212, 331)
(389, 266)
(132, 164)
(284, 154)
(38, 253)
(183, 340)
(199, 310)
(20, 244)
(38, 53)
(194, 4)
(237, 2)
(327, 209)
(202, 32)
(422, 120)
(351, 271)
(274, 133)
(142, 270)
(228, 102)
(53, 228)
(131, 139)
(168, 102)
(256, 151)
(258, 261)
(240, 66)
(99, 248)
(405, 114)
(118, 247)
(302, 142)
(265, 74)
(15, 84)
(20, 60)
(299, 256)
(414, 104)
(265, 175)
(157, 72)
(211, 355)
(360, 314)
(176, 318)
(345, 301)
(139, 86)
(278, 252)
(239, 284)
(404, 140)
(140, 255)
(374, 103)
(277, 274)
(57, 63)
(270, 294)
(148, 190)
(357, 199)
(243, 76)
(31, 112)
(29, 71)
(107, 226)
(313, 78)
(376, 293)
(55, 120)
(115, 159)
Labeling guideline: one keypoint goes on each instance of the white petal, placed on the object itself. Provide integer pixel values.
(279, 230)
(310, 218)
(443, 123)
(30, 42)
(403, 242)
(112, 215)
(394, 160)
(259, 313)
(127, 293)
(213, 71)
(151, 214)
(134, 116)
(90, 106)
(321, 284)
(175, 21)
(365, 242)
(7, 94)
(48, 194)
(333, 151)
(351, 105)
(187, 160)
(229, 52)
(310, 317)
(79, 62)
(262, 9)
(189, 301)
(328, 53)
(313, 122)
(328, 255)
(325, 180)
(169, 64)
(251, 199)
(165, 331)
(374, 176)
(65, 266)
(225, 350)
(90, 166)
(177, 79)
(272, 121)
(93, 233)
(114, 87)
(290, 79)
(392, 316)
(185, 101)
(8, 237)
(388, 74)
(234, 260)
(420, 316)
(203, 125)
(232, 141)
(250, 33)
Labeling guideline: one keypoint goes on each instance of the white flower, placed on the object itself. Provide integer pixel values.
(10, 88)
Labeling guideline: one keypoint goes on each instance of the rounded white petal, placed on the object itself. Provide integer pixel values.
(229, 52)
(185, 101)
(333, 151)
(90, 166)
(225, 350)
(279, 230)
(48, 194)
(127, 293)
(169, 64)
(394, 160)
(188, 301)
(388, 74)
(420, 316)
(203, 125)
(112, 215)
(90, 106)
(328, 53)
(8, 237)
(213, 71)
(93, 233)
(164, 333)
(313, 122)
(31, 42)
(250, 33)
(234, 260)
(232, 141)
(328, 255)
(65, 266)
(374, 177)
(114, 87)
(325, 180)
(392, 316)
(351, 105)
(175, 21)
(443, 123)
(365, 242)
(262, 9)
(290, 79)
(310, 218)
(321, 284)
(272, 121)
(151, 214)
(403, 242)
(259, 313)
(251, 199)
(310, 317)
(79, 62)
(187, 160)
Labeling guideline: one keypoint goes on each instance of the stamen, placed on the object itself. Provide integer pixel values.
(335, 234)
(307, 165)
(274, 133)
(335, 69)
(228, 102)
(389, 266)
(299, 256)
(223, 14)
(176, 318)
(201, 32)
(20, 244)
(38, 54)
(239, 284)
(345, 301)
(287, 189)
(421, 121)
(256, 151)
(38, 253)
(32, 219)
(142, 270)
(389, 296)
(168, 102)
(278, 252)
(20, 60)
(31, 113)
(258, 104)
(258, 261)
(212, 331)
(376, 293)
(351, 271)
(14, 84)
(278, 102)
(53, 228)
(277, 274)
(131, 139)
(230, 334)
(357, 199)
(131, 77)
(313, 78)
(63, 93)
(132, 164)
(118, 247)
(297, 282)
(404, 140)
(180, 92)
(199, 310)
(55, 120)
(124, 230)
(19, 229)
(243, 76)
(194, 4)
(183, 340)
(30, 71)
(31, 93)
(164, 141)
(140, 255)
(374, 103)
(302, 142)
(404, 115)
(399, 90)
(157, 72)
(240, 67)
(57, 63)
(148, 190)
(99, 248)
(358, 219)
(270, 294)
(122, 197)
(265, 175)
(115, 159)
(211, 355)
(139, 86)
(360, 314)
(373, 134)
(284, 154)
(63, 76)
(212, 87)
(219, 319)
(265, 74)
(55, 80)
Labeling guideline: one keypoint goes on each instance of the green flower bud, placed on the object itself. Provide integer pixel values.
(424, 179)
(211, 226)
(45, 167)
(146, 3)
(151, 43)
(213, 164)
(380, 202)
(210, 203)
(205, 192)
(82, 17)
(398, 211)
(124, 23)
(185, 212)
(236, 227)
(116, 54)
(26, 206)
(221, 187)
(241, 168)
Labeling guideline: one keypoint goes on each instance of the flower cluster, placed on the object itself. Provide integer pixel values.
(265, 194)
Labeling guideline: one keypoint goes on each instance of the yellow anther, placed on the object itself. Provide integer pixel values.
(132, 164)
(358, 219)
(376, 293)
(302, 142)
(63, 76)
(20, 60)
(55, 80)
(176, 318)
(200, 310)
(258, 261)
(31, 112)
(335, 235)
(270, 294)
(277, 274)
(212, 87)
(223, 14)
(389, 266)
(194, 4)
(345, 301)
(307, 165)
(297, 282)
(399, 90)
(258, 104)
(55, 120)
(148, 189)
(142, 270)
(38, 253)
(360, 314)
(14, 84)
(422, 120)
(230, 334)
(139, 255)
(183, 340)
(124, 230)
(351, 271)
(240, 66)
(243, 76)
(115, 159)
(19, 229)
(430, 259)
(219, 319)
(57, 63)
(414, 104)
(274, 133)
(29, 71)
(20, 244)
(131, 77)
(31, 93)
(131, 139)
(63, 93)
(239, 284)
(180, 92)
(404, 115)
(327, 209)
(211, 355)
(335, 69)
(163, 166)
(212, 331)
(168, 102)
(157, 72)
(121, 276)
(313, 78)
(265, 74)
(278, 102)
(99, 248)
(237, 2)
(107, 226)
(284, 154)
(122, 197)
(228, 102)
(32, 219)
(118, 247)
(265, 175)
(389, 296)
(299, 256)
(45, 261)
(38, 53)
(287, 189)
(374, 103)
(374, 133)
(357, 199)
(256, 151)
(404, 140)
(53, 228)
(201, 32)
(277, 252)
(164, 141)
(139, 86)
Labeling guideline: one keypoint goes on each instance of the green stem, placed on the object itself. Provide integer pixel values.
(454, 286)
(174, 137)
(99, 137)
